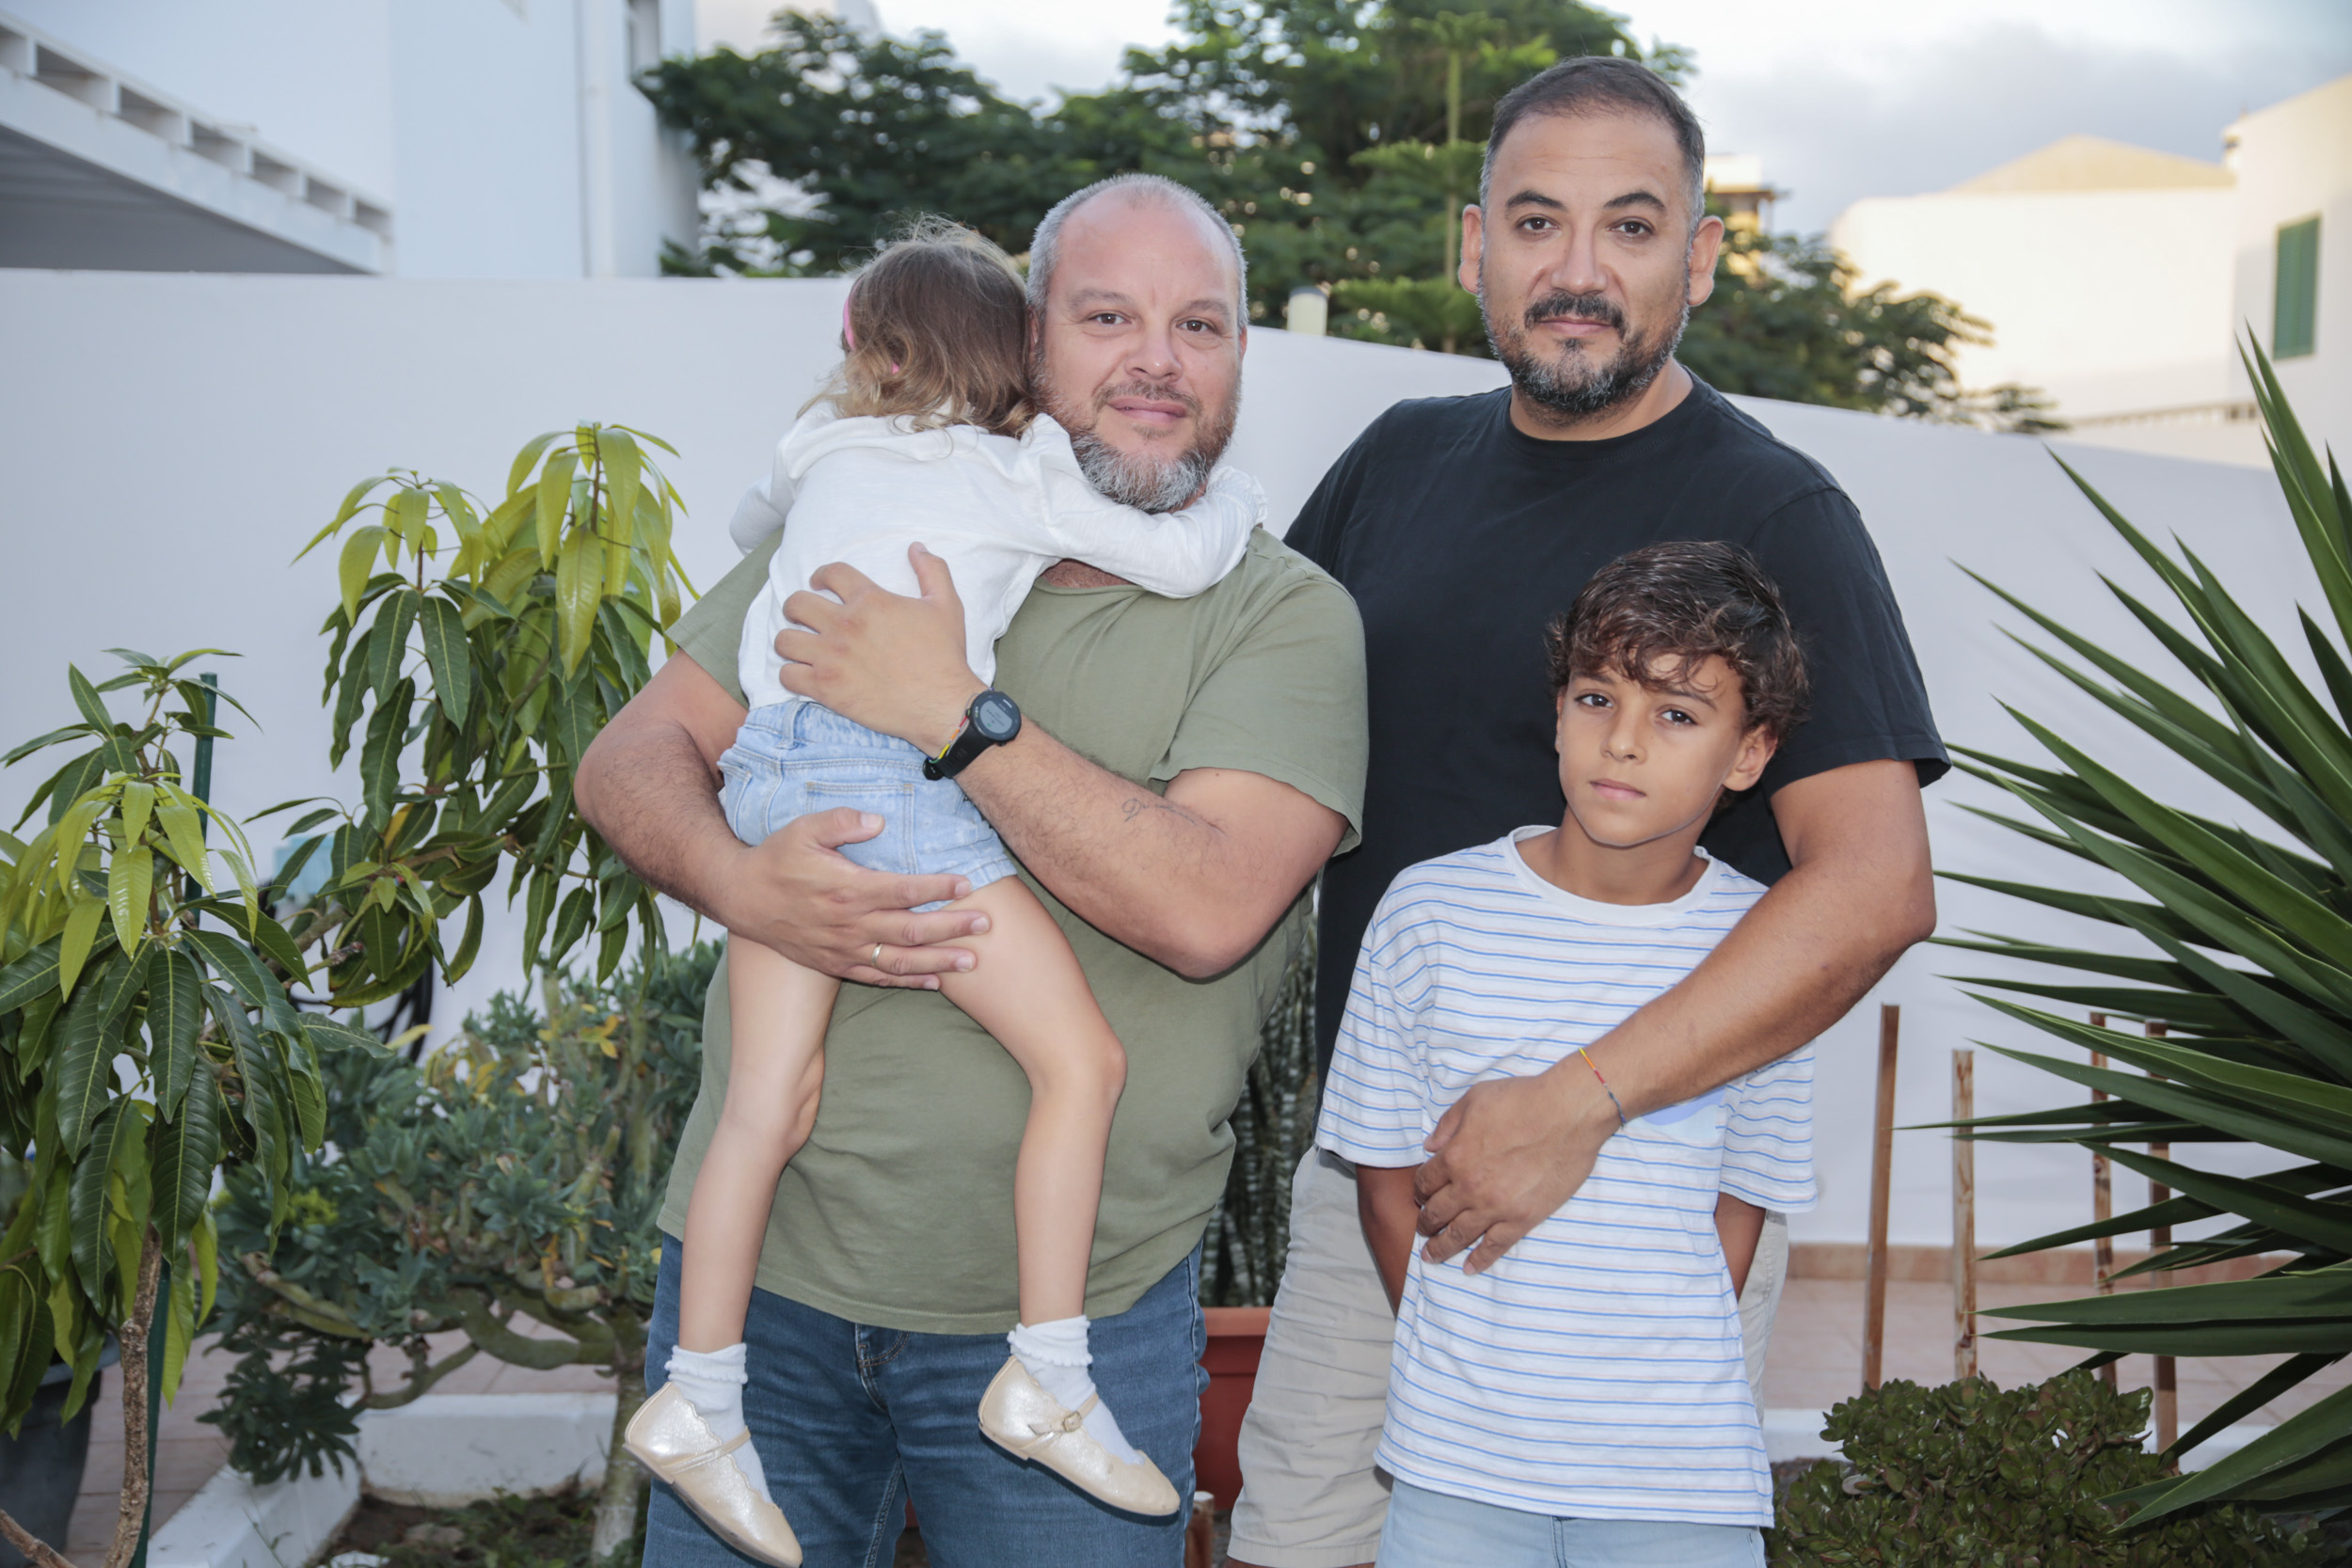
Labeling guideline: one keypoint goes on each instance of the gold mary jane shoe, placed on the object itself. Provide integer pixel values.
(1022, 1419)
(670, 1438)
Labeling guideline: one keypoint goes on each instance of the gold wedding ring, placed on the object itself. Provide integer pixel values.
(876, 962)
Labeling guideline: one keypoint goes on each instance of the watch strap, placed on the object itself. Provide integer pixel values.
(947, 764)
(968, 741)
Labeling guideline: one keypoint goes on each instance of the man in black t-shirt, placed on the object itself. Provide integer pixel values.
(1463, 525)
(1458, 566)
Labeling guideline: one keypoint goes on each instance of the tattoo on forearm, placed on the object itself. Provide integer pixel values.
(1135, 805)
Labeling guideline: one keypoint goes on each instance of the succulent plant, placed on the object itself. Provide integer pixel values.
(506, 1189)
(1974, 1475)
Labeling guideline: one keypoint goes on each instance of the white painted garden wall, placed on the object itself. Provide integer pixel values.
(168, 443)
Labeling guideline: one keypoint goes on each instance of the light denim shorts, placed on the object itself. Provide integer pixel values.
(790, 759)
(1429, 1530)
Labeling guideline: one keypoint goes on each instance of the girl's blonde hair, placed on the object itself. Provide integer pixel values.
(936, 333)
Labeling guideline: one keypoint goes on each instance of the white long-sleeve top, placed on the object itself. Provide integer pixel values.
(997, 508)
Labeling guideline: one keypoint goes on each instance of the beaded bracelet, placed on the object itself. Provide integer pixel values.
(1604, 1085)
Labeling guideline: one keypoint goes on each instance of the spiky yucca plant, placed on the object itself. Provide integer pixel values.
(2252, 933)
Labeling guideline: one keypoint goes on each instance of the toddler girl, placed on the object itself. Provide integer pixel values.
(926, 433)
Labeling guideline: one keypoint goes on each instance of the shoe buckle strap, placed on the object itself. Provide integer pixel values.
(1070, 1421)
(715, 1455)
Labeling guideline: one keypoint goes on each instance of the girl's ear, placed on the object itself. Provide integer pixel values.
(1757, 748)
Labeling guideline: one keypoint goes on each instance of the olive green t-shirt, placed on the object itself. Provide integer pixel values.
(897, 1212)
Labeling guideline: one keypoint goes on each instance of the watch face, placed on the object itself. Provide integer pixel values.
(995, 718)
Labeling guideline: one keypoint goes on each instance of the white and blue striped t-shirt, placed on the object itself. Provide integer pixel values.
(1595, 1370)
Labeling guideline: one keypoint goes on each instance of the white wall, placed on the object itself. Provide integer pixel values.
(171, 441)
(475, 84)
(1937, 500)
(2294, 160)
(2108, 300)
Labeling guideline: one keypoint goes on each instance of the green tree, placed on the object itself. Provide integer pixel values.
(1333, 78)
(474, 676)
(1263, 108)
(145, 1013)
(877, 129)
(148, 1041)
(475, 652)
(1340, 139)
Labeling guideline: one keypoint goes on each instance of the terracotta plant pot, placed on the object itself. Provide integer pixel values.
(1236, 1337)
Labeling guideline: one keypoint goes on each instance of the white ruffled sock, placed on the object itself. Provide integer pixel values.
(713, 1381)
(1056, 1355)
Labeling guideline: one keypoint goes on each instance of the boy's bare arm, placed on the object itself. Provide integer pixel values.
(1384, 1202)
(1740, 1224)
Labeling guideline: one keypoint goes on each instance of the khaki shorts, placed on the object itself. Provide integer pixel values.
(1311, 1498)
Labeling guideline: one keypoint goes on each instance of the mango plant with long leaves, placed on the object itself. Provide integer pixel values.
(476, 652)
(2245, 938)
(145, 1039)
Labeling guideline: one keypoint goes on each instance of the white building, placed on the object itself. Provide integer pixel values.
(2293, 243)
(423, 138)
(2118, 279)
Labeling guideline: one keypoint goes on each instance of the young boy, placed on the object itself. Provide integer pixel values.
(1584, 1401)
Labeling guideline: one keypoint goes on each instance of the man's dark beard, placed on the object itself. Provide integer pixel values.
(1141, 480)
(1572, 387)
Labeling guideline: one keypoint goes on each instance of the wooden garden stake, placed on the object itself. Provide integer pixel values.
(2160, 1240)
(1963, 1218)
(2101, 1206)
(1882, 1174)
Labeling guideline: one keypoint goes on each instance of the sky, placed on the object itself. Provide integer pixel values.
(1842, 99)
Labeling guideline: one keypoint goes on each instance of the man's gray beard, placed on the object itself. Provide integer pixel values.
(1625, 376)
(1137, 479)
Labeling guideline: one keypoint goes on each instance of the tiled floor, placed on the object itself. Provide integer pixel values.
(1816, 1361)
(1816, 1357)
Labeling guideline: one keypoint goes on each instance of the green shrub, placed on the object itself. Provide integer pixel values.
(150, 1042)
(512, 1180)
(1972, 1476)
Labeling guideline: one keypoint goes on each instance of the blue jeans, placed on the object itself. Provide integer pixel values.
(794, 758)
(849, 1422)
(1429, 1530)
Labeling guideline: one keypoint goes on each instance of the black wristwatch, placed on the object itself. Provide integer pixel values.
(990, 719)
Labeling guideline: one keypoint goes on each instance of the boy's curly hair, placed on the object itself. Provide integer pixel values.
(1651, 614)
(936, 333)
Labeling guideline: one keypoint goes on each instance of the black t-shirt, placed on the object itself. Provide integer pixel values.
(1463, 538)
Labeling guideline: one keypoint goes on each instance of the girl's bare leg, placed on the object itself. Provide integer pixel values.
(1028, 991)
(779, 1013)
